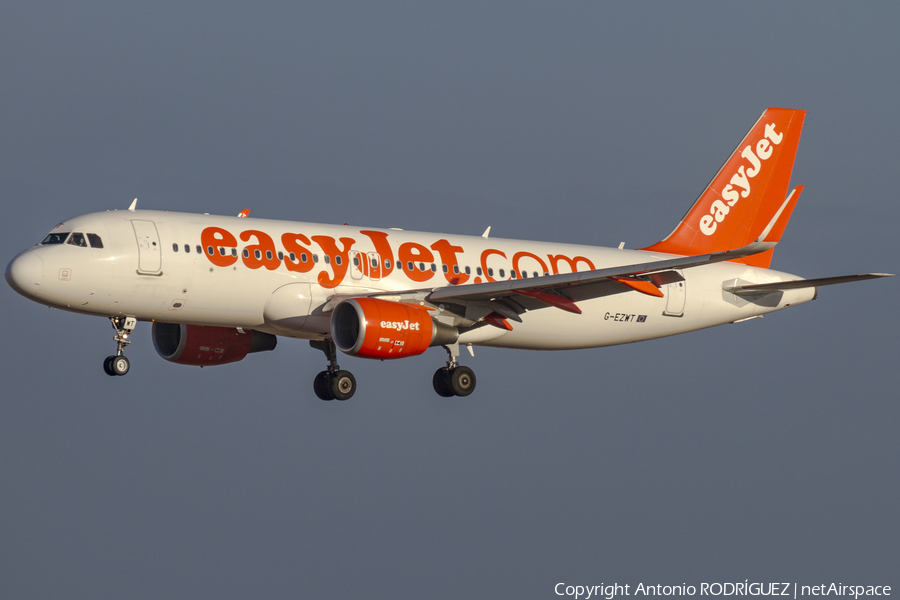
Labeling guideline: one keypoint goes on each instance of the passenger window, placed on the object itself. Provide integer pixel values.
(210, 251)
(490, 271)
(355, 261)
(400, 266)
(222, 250)
(280, 255)
(77, 239)
(327, 259)
(456, 269)
(512, 273)
(524, 274)
(234, 252)
(268, 255)
(303, 256)
(174, 247)
(374, 263)
(246, 253)
(468, 271)
(187, 247)
(445, 269)
(200, 250)
(293, 257)
(477, 271)
(387, 263)
(433, 268)
(315, 258)
(257, 254)
(409, 266)
(95, 240)
(337, 260)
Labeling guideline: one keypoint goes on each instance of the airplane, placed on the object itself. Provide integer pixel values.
(218, 288)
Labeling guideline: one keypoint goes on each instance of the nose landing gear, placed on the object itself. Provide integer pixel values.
(118, 364)
(332, 383)
(454, 379)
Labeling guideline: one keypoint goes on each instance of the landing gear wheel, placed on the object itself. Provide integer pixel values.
(106, 365)
(322, 386)
(343, 384)
(462, 381)
(119, 365)
(441, 382)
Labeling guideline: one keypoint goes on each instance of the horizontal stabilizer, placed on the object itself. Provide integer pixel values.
(765, 288)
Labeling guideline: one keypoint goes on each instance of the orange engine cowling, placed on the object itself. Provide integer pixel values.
(204, 346)
(373, 328)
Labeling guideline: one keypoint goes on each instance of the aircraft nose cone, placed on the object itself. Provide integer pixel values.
(24, 273)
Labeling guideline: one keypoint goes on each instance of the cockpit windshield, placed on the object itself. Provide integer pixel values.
(77, 239)
(55, 238)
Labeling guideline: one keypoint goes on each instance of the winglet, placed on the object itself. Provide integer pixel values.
(133, 205)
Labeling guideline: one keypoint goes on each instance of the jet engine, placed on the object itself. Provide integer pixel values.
(203, 346)
(382, 329)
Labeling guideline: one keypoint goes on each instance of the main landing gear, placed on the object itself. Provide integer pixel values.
(454, 379)
(118, 363)
(335, 384)
(332, 383)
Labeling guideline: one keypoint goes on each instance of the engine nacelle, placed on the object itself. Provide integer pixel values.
(373, 328)
(204, 346)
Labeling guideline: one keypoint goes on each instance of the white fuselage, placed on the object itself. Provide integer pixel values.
(139, 273)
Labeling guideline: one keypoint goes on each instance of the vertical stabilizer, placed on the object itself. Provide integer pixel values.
(746, 193)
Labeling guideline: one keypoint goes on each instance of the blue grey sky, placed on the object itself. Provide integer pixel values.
(765, 450)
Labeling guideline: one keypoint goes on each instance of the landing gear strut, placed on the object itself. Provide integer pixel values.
(332, 383)
(454, 379)
(118, 364)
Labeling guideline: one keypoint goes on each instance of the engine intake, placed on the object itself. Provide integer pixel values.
(373, 328)
(204, 346)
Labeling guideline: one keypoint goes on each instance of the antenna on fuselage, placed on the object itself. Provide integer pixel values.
(487, 232)
(133, 205)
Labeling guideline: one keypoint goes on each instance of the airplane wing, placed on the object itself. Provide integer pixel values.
(498, 300)
(510, 298)
(494, 302)
(643, 277)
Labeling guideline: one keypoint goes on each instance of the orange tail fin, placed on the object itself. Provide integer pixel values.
(746, 193)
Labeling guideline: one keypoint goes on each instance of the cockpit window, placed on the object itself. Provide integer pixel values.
(95, 240)
(55, 238)
(77, 239)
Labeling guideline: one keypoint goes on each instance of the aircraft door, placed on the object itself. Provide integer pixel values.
(149, 259)
(676, 294)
